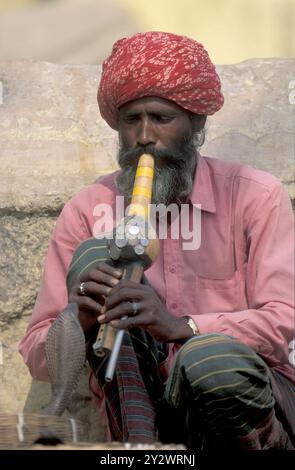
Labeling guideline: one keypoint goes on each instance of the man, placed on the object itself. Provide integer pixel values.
(217, 320)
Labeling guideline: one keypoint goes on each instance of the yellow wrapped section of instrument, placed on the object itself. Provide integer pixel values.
(142, 188)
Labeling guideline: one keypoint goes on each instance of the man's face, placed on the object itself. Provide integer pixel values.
(166, 131)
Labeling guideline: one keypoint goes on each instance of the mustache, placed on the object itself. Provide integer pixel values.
(175, 157)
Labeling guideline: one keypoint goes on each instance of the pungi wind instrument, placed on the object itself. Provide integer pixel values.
(133, 248)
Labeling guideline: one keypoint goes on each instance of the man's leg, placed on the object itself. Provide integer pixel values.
(221, 389)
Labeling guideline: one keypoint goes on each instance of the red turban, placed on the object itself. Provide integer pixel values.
(159, 64)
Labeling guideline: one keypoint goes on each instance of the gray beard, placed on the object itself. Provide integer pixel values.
(174, 171)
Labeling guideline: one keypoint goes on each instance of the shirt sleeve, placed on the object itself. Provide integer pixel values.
(52, 297)
(267, 326)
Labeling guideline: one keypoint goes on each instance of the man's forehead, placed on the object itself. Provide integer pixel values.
(151, 102)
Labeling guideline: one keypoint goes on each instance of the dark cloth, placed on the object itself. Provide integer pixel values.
(284, 393)
(223, 395)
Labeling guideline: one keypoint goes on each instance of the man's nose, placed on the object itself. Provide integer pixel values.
(146, 133)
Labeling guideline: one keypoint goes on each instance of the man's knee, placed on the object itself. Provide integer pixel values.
(217, 367)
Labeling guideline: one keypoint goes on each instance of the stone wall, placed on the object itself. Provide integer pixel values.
(53, 142)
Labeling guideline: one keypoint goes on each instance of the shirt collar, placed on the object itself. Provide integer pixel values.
(202, 192)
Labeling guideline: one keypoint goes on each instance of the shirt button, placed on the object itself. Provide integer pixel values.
(174, 305)
(172, 269)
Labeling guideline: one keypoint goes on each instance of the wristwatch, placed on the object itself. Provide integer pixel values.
(193, 326)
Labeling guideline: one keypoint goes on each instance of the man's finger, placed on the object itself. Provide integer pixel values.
(124, 295)
(103, 274)
(108, 269)
(126, 324)
(124, 284)
(92, 289)
(124, 308)
(89, 304)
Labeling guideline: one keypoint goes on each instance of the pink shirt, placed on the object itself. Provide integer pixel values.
(239, 282)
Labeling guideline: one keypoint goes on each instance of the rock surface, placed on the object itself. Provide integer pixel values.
(53, 142)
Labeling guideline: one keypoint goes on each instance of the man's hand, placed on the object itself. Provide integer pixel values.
(151, 314)
(97, 284)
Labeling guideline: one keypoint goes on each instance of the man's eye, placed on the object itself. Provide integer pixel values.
(131, 118)
(162, 119)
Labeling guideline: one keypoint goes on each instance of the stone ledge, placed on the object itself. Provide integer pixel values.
(53, 141)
